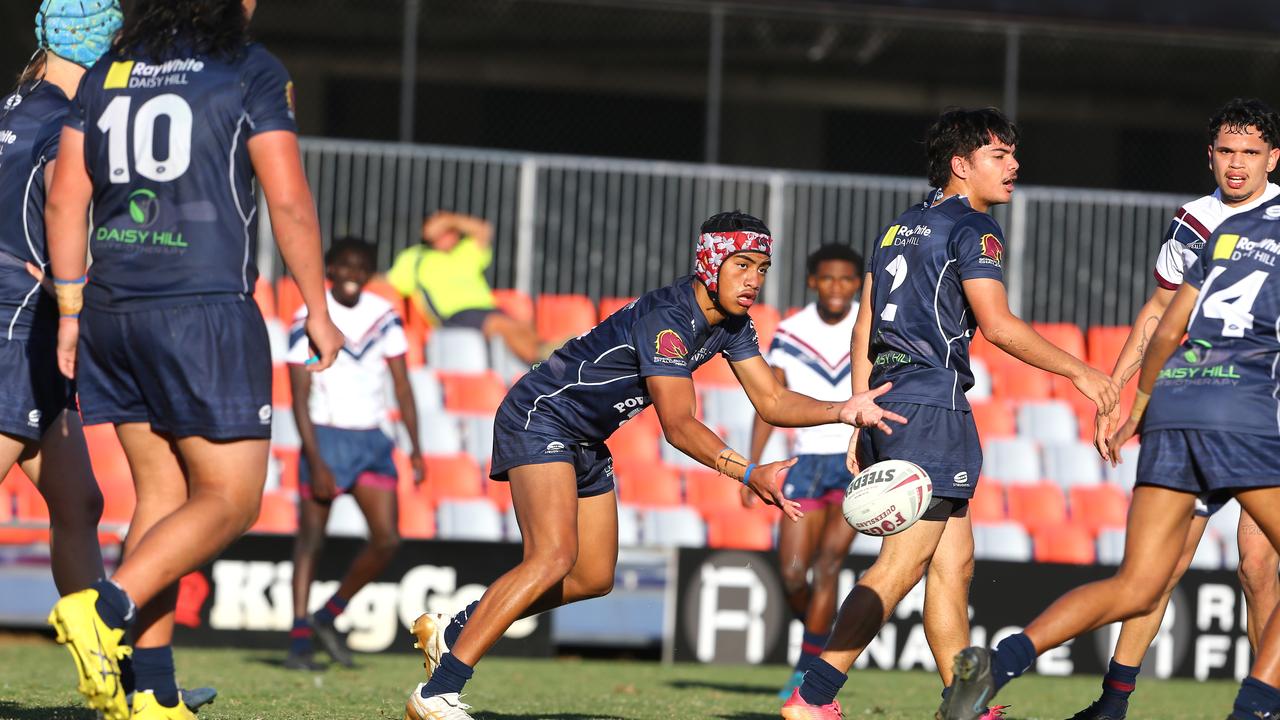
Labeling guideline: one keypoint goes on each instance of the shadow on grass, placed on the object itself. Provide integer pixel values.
(540, 716)
(14, 711)
(748, 716)
(740, 688)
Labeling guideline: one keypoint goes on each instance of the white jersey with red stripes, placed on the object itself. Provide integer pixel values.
(815, 357)
(1191, 227)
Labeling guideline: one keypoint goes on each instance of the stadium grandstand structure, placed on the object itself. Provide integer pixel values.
(1045, 496)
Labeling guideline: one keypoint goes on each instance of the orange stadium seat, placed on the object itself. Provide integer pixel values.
(995, 419)
(29, 503)
(289, 459)
(1063, 543)
(1104, 344)
(791, 311)
(740, 529)
(1021, 382)
(1099, 507)
(416, 331)
(479, 393)
(6, 501)
(277, 514)
(635, 441)
(383, 289)
(417, 518)
(288, 299)
(111, 468)
(766, 319)
(498, 492)
(1065, 335)
(265, 296)
(997, 360)
(611, 305)
(647, 484)
(708, 491)
(715, 373)
(515, 303)
(987, 505)
(281, 390)
(452, 477)
(560, 317)
(1036, 506)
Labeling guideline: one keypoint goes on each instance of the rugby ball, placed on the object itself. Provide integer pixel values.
(887, 497)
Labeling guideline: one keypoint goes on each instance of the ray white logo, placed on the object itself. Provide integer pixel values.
(8, 137)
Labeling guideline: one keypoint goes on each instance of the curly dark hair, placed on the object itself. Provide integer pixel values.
(160, 29)
(833, 251)
(733, 221)
(359, 246)
(1240, 113)
(961, 131)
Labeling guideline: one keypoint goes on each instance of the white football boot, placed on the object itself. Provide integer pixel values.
(437, 707)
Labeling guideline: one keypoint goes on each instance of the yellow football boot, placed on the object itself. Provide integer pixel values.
(146, 707)
(96, 649)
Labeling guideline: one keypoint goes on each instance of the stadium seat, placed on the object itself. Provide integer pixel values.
(1226, 521)
(1066, 336)
(635, 441)
(111, 468)
(288, 461)
(1111, 546)
(997, 360)
(1072, 463)
(981, 389)
(866, 545)
(994, 418)
(277, 339)
(1064, 543)
(504, 362)
(278, 514)
(1006, 541)
(740, 529)
(6, 501)
(1037, 506)
(1022, 382)
(499, 493)
(715, 373)
(479, 394)
(1099, 507)
(511, 525)
(417, 329)
(1104, 345)
(515, 303)
(1124, 475)
(284, 429)
(265, 296)
(611, 305)
(1012, 461)
(1048, 421)
(379, 286)
(428, 396)
(647, 484)
(673, 457)
(766, 319)
(452, 477)
(560, 317)
(281, 390)
(478, 437)
(416, 517)
(475, 519)
(987, 505)
(628, 526)
(346, 519)
(458, 350)
(728, 407)
(791, 311)
(777, 448)
(678, 527)
(1208, 555)
(288, 299)
(710, 492)
(29, 505)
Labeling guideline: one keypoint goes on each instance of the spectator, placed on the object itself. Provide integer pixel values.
(445, 276)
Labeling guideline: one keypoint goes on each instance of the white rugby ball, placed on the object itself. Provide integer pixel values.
(887, 497)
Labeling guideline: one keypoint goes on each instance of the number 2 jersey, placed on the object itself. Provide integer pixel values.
(174, 212)
(1224, 376)
(921, 321)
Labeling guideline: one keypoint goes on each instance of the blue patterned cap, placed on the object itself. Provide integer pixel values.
(78, 30)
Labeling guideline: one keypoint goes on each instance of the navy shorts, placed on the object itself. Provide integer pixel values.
(514, 446)
(817, 480)
(943, 442)
(1212, 464)
(474, 318)
(34, 393)
(355, 457)
(197, 369)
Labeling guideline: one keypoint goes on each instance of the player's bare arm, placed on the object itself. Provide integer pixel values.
(860, 362)
(781, 407)
(1130, 360)
(408, 414)
(1015, 336)
(760, 432)
(67, 228)
(323, 487)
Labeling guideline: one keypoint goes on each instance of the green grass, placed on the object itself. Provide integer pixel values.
(36, 683)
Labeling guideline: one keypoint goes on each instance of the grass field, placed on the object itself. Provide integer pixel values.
(36, 683)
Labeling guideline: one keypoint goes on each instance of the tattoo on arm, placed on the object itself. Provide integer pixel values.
(1148, 329)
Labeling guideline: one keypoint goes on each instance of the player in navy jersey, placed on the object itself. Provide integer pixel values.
(164, 141)
(936, 276)
(1212, 430)
(550, 432)
(1244, 146)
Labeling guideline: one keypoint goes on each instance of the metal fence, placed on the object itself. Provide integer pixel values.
(604, 227)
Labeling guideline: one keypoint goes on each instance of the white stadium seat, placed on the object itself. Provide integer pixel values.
(981, 389)
(728, 407)
(1051, 421)
(457, 350)
(278, 339)
(284, 431)
(1209, 552)
(427, 393)
(1012, 461)
(346, 519)
(504, 362)
(477, 437)
(1125, 474)
(679, 527)
(628, 526)
(1001, 541)
(1072, 463)
(1111, 547)
(439, 434)
(476, 519)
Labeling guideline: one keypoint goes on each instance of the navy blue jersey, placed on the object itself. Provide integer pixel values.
(1224, 376)
(921, 321)
(174, 212)
(596, 382)
(30, 125)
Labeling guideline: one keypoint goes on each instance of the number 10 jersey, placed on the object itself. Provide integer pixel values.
(174, 213)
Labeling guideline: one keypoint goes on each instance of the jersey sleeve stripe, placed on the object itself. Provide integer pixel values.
(1192, 223)
(1162, 282)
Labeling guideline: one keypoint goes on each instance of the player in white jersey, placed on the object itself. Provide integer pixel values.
(340, 414)
(810, 354)
(1243, 149)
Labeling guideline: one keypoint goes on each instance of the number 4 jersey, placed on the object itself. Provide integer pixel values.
(174, 213)
(1224, 376)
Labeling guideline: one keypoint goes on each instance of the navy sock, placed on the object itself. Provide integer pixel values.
(449, 677)
(459, 621)
(1254, 699)
(300, 637)
(811, 646)
(1013, 656)
(821, 683)
(331, 609)
(1117, 685)
(153, 668)
(128, 680)
(113, 605)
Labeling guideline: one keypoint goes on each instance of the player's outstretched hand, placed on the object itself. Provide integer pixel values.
(766, 483)
(747, 496)
(323, 487)
(1122, 436)
(419, 468)
(326, 340)
(851, 457)
(68, 339)
(1103, 426)
(1099, 388)
(862, 411)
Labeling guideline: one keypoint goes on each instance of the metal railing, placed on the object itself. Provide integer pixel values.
(607, 227)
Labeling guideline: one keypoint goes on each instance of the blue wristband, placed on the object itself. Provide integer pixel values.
(746, 476)
(78, 281)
